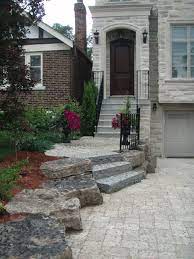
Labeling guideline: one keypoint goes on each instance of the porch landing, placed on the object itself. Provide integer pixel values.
(86, 147)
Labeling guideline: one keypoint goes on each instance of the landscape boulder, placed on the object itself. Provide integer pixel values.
(83, 187)
(35, 236)
(135, 157)
(50, 203)
(62, 168)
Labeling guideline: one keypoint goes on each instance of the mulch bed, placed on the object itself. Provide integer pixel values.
(31, 176)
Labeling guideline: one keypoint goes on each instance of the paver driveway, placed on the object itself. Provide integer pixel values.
(152, 219)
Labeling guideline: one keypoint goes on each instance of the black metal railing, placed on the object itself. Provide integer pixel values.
(130, 131)
(142, 85)
(98, 77)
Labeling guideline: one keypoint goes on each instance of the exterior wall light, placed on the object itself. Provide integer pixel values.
(96, 37)
(145, 36)
(154, 107)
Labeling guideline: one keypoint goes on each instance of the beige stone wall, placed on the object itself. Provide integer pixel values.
(171, 12)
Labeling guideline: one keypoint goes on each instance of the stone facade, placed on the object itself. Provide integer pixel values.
(164, 92)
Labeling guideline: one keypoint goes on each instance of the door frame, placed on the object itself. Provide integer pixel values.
(134, 65)
(103, 48)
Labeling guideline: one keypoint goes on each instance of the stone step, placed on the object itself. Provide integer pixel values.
(110, 169)
(98, 160)
(118, 182)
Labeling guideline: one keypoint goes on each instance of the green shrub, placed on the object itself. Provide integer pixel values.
(88, 112)
(34, 142)
(2, 210)
(73, 106)
(42, 119)
(127, 107)
(8, 178)
(7, 146)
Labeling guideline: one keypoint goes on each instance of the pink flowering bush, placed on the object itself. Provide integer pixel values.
(72, 120)
(116, 121)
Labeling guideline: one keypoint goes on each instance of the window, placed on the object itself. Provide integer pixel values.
(183, 51)
(35, 62)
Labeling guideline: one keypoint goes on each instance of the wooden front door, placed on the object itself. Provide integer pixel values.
(122, 67)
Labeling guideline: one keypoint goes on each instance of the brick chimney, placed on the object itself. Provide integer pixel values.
(80, 25)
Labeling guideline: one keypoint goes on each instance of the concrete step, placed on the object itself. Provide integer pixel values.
(118, 182)
(114, 107)
(110, 112)
(107, 135)
(105, 123)
(98, 160)
(117, 100)
(102, 129)
(106, 116)
(110, 169)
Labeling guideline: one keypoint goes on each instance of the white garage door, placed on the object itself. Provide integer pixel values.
(179, 134)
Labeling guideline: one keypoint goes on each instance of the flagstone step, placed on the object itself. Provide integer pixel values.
(110, 169)
(118, 182)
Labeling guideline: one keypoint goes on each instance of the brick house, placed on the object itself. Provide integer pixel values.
(145, 48)
(59, 65)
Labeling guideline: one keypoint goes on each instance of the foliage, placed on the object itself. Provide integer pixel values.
(116, 121)
(88, 115)
(127, 107)
(34, 142)
(6, 144)
(8, 179)
(14, 75)
(73, 106)
(2, 209)
(42, 119)
(89, 45)
(73, 120)
(66, 30)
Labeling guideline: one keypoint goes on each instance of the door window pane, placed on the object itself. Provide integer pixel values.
(179, 32)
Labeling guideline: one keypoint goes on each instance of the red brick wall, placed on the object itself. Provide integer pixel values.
(57, 78)
(57, 73)
(80, 25)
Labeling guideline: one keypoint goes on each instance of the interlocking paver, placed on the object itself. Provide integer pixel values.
(152, 219)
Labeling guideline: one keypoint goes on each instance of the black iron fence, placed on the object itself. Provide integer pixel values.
(130, 131)
(98, 77)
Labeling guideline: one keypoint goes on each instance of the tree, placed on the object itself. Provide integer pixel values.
(15, 17)
(66, 30)
(89, 45)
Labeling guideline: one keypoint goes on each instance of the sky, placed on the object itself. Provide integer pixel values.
(62, 11)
